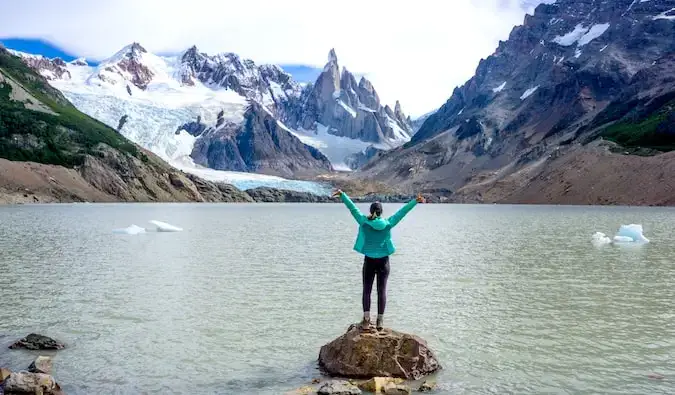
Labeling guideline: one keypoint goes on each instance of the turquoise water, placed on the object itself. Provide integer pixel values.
(513, 299)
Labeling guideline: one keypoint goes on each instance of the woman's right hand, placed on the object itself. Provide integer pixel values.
(337, 193)
(420, 198)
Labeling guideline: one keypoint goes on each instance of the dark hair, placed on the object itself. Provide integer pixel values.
(375, 210)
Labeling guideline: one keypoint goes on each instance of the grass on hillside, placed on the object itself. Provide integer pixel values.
(657, 131)
(63, 139)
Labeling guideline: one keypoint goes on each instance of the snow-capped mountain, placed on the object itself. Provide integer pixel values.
(165, 103)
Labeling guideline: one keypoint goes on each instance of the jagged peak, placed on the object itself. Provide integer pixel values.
(332, 61)
(332, 56)
(131, 51)
(397, 106)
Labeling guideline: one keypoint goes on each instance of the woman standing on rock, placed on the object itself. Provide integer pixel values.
(374, 242)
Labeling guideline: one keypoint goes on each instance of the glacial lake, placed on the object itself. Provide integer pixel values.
(513, 299)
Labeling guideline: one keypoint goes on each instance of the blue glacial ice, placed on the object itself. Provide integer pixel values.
(627, 235)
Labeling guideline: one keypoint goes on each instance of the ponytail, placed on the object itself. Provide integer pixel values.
(375, 211)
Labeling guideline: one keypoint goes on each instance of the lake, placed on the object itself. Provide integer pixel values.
(513, 299)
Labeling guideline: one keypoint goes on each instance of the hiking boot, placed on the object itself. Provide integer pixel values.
(379, 325)
(366, 325)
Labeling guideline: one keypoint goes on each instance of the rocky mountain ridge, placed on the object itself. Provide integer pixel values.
(336, 115)
(575, 71)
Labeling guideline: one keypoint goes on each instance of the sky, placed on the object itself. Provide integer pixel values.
(414, 51)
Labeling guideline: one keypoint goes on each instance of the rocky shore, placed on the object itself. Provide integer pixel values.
(37, 377)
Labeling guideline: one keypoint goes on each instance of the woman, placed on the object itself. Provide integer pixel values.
(374, 242)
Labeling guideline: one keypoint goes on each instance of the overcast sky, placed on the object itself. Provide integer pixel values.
(415, 50)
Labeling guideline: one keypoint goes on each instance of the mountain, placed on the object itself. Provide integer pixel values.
(579, 79)
(182, 107)
(259, 144)
(52, 152)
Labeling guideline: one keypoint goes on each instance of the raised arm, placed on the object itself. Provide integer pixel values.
(398, 216)
(356, 213)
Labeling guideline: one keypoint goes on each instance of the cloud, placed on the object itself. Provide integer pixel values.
(417, 52)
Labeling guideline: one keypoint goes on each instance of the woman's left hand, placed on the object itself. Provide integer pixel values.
(337, 193)
(420, 198)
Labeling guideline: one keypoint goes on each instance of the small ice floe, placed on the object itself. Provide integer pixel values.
(164, 227)
(627, 234)
(131, 230)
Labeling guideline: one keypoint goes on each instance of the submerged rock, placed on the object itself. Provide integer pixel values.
(338, 387)
(38, 342)
(396, 389)
(41, 364)
(304, 390)
(359, 354)
(427, 386)
(377, 384)
(31, 383)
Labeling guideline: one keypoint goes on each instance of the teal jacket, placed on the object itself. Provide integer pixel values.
(374, 238)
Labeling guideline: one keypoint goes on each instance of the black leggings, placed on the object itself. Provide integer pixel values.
(371, 268)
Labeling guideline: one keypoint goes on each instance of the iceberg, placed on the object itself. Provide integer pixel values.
(131, 230)
(631, 233)
(164, 227)
(600, 239)
(627, 234)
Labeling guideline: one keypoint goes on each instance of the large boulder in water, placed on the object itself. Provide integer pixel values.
(38, 342)
(31, 383)
(366, 354)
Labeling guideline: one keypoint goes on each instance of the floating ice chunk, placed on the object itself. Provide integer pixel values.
(164, 227)
(627, 234)
(131, 230)
(632, 231)
(622, 239)
(600, 239)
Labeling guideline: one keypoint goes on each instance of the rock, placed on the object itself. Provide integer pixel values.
(269, 195)
(427, 386)
(4, 373)
(37, 342)
(358, 354)
(41, 364)
(339, 387)
(396, 389)
(31, 383)
(377, 384)
(305, 390)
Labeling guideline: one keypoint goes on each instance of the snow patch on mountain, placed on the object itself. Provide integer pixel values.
(347, 108)
(670, 15)
(572, 37)
(499, 88)
(529, 93)
(594, 32)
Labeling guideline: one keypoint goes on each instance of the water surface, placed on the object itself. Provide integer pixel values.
(513, 299)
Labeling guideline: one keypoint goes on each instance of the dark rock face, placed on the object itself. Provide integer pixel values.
(229, 71)
(196, 128)
(38, 342)
(270, 195)
(358, 160)
(259, 145)
(573, 66)
(361, 354)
